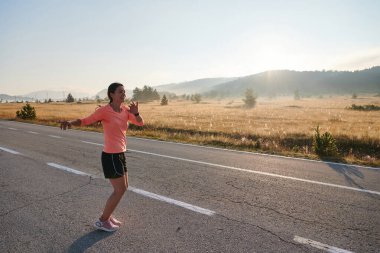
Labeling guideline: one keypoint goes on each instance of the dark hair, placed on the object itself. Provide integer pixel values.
(112, 88)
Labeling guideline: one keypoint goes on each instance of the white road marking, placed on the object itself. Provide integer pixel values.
(144, 193)
(11, 128)
(10, 151)
(31, 132)
(319, 245)
(260, 154)
(172, 201)
(61, 167)
(224, 149)
(259, 172)
(249, 171)
(93, 143)
(55, 136)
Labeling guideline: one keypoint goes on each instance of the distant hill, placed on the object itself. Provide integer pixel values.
(103, 94)
(286, 82)
(55, 95)
(191, 87)
(5, 97)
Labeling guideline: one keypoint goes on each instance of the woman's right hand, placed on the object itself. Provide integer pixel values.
(65, 124)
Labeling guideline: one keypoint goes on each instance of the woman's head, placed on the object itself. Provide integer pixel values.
(116, 92)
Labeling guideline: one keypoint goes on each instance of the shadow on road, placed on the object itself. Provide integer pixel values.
(350, 173)
(87, 240)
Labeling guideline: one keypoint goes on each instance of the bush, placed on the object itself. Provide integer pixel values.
(250, 98)
(164, 100)
(196, 98)
(324, 145)
(364, 107)
(27, 112)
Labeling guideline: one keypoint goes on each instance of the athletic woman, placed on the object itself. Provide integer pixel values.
(114, 118)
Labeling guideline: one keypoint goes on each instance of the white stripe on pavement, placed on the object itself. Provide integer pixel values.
(259, 172)
(55, 136)
(319, 245)
(31, 132)
(257, 153)
(249, 171)
(61, 167)
(93, 143)
(172, 201)
(10, 151)
(224, 149)
(11, 128)
(145, 193)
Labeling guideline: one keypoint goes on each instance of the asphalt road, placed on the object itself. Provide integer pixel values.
(183, 198)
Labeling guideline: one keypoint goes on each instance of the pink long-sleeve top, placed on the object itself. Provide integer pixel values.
(115, 125)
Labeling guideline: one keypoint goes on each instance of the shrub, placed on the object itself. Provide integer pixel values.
(196, 98)
(250, 98)
(364, 107)
(324, 145)
(27, 112)
(164, 100)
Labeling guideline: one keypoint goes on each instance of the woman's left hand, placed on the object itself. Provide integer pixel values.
(134, 107)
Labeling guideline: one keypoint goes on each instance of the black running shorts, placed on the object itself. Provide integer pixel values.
(114, 165)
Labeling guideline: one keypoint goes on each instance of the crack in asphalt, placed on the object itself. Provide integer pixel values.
(326, 225)
(300, 246)
(47, 198)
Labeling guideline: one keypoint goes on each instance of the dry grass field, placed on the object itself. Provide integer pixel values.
(279, 126)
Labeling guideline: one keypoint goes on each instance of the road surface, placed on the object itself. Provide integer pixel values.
(182, 198)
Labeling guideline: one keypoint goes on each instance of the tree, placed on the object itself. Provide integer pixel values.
(69, 98)
(146, 94)
(164, 100)
(196, 98)
(325, 144)
(27, 112)
(250, 98)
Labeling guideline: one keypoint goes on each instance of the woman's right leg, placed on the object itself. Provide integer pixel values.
(119, 188)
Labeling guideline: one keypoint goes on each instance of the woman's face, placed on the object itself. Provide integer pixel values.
(119, 95)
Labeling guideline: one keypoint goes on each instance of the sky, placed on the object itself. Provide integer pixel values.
(85, 45)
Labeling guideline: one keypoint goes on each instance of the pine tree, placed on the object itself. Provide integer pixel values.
(69, 98)
(164, 100)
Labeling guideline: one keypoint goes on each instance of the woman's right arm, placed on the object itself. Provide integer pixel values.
(98, 115)
(67, 124)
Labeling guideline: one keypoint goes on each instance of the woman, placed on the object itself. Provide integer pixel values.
(114, 117)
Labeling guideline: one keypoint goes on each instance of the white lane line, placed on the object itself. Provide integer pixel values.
(172, 201)
(223, 149)
(144, 193)
(319, 245)
(55, 136)
(93, 143)
(259, 172)
(10, 151)
(61, 167)
(250, 171)
(11, 128)
(31, 132)
(260, 154)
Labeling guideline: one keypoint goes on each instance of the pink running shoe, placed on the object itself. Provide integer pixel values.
(115, 221)
(106, 226)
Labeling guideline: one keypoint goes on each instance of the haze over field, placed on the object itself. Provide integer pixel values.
(82, 46)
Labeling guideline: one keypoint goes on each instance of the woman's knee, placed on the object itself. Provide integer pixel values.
(120, 190)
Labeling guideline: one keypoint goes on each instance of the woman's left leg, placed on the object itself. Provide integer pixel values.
(119, 186)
